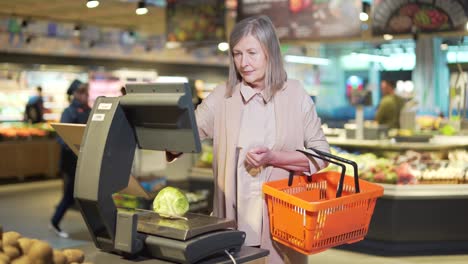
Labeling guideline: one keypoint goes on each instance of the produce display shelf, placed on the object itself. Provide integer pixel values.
(417, 219)
(426, 191)
(387, 144)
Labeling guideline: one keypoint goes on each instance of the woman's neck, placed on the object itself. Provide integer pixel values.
(255, 86)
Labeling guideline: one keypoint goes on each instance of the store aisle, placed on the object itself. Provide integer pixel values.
(27, 207)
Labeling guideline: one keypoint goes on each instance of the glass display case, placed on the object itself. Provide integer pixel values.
(425, 189)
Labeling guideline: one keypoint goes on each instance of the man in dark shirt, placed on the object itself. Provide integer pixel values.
(35, 108)
(77, 112)
(388, 112)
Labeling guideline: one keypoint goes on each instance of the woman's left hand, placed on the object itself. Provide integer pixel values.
(259, 156)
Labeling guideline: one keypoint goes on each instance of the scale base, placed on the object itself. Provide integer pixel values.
(195, 249)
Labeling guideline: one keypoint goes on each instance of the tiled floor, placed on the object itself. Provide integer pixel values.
(27, 208)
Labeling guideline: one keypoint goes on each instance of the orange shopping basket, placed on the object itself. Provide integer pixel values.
(314, 213)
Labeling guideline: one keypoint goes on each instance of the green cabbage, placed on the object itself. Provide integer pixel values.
(170, 202)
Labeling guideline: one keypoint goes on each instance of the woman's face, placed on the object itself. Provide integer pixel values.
(250, 61)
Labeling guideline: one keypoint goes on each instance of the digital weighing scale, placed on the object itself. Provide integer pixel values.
(150, 116)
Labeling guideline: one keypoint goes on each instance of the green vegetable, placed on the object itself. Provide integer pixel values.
(170, 202)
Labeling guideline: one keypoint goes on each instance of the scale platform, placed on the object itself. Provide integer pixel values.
(191, 240)
(180, 229)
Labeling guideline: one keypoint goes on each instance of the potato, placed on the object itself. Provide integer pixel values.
(11, 238)
(12, 252)
(74, 255)
(4, 258)
(59, 257)
(25, 244)
(40, 252)
(22, 260)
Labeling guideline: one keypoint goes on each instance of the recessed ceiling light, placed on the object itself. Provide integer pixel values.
(141, 9)
(363, 16)
(223, 46)
(387, 37)
(92, 3)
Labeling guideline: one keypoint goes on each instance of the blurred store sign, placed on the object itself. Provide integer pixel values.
(67, 39)
(305, 19)
(196, 21)
(404, 16)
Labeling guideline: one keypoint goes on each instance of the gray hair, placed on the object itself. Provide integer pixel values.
(261, 28)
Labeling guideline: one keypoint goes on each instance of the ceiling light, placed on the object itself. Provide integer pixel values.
(369, 57)
(223, 46)
(141, 9)
(76, 30)
(387, 37)
(363, 16)
(171, 79)
(306, 60)
(92, 3)
(444, 46)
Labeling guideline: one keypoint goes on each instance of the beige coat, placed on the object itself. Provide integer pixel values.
(219, 118)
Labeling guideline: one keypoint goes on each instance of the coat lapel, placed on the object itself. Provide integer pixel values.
(233, 114)
(281, 107)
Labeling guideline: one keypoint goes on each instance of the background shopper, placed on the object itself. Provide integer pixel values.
(77, 112)
(389, 109)
(34, 110)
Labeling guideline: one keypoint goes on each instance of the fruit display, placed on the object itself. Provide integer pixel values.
(14, 248)
(425, 17)
(20, 130)
(430, 18)
(410, 167)
(188, 22)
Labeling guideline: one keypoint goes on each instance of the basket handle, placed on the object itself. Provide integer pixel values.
(343, 170)
(291, 176)
(350, 162)
(331, 158)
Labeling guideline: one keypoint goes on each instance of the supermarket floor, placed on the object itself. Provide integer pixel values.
(27, 208)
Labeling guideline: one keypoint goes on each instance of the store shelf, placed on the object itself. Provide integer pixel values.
(388, 144)
(426, 191)
(201, 173)
(23, 158)
(420, 218)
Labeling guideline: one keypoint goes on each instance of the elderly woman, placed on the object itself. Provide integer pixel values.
(257, 120)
